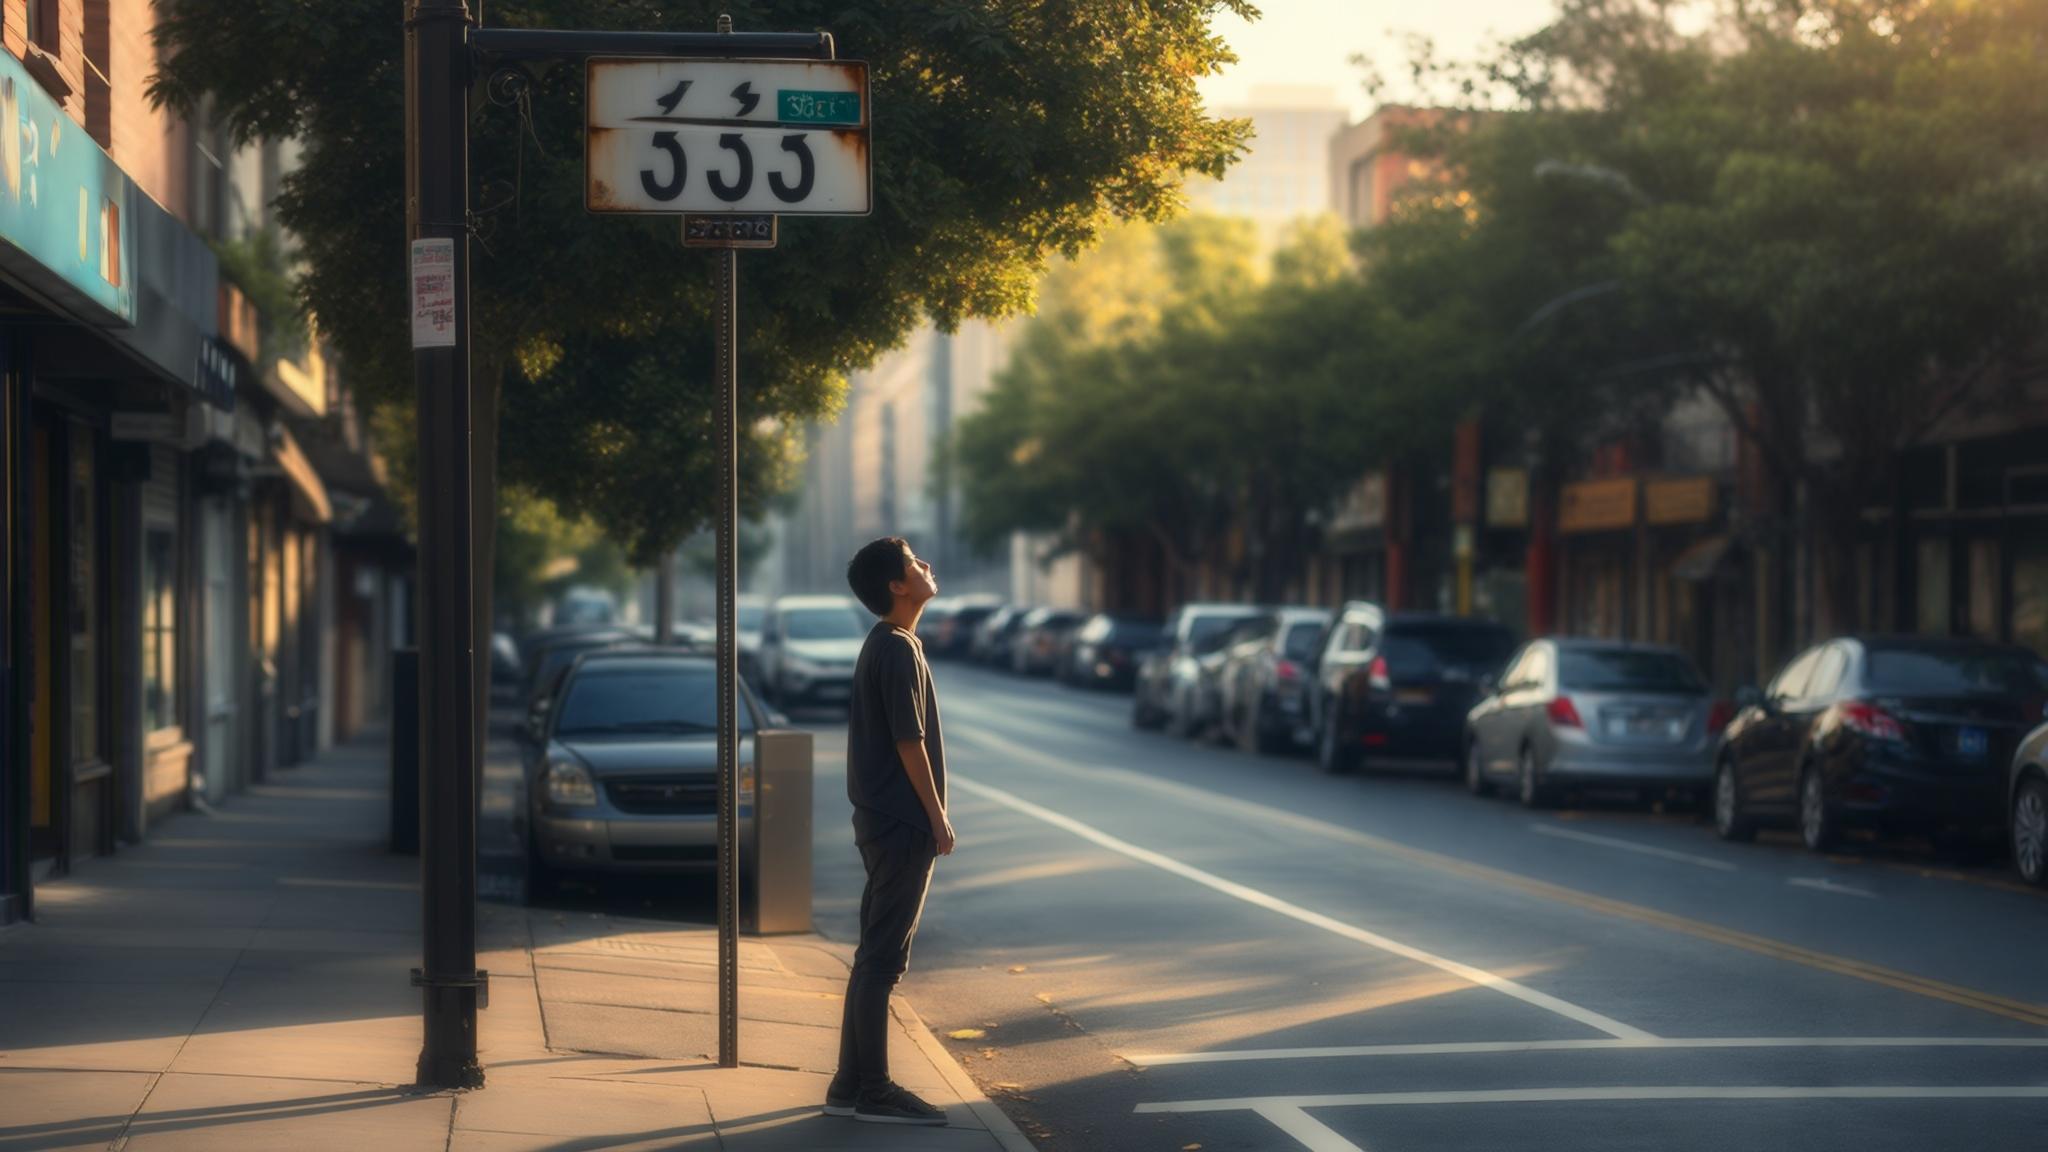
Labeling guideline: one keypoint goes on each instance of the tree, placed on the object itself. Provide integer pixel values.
(1855, 227)
(1004, 134)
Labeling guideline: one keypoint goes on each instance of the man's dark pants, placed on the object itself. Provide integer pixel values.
(899, 864)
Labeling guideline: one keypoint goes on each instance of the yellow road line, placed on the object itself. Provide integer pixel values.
(2012, 1009)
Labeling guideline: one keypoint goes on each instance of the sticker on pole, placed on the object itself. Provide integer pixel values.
(433, 293)
(788, 137)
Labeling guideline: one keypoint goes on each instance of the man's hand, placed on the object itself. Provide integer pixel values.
(942, 835)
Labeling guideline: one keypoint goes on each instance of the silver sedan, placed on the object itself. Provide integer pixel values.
(1571, 712)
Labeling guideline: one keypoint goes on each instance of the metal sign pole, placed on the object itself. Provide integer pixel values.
(438, 208)
(728, 662)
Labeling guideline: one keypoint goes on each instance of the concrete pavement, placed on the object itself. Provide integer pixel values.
(240, 981)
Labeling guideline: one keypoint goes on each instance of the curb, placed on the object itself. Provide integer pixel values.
(993, 1118)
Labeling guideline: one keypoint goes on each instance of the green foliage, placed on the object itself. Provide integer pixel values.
(1004, 134)
(259, 265)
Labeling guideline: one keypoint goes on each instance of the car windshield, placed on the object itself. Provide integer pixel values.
(1433, 649)
(749, 617)
(1207, 633)
(1302, 640)
(561, 656)
(648, 700)
(1956, 672)
(1618, 670)
(823, 624)
(1137, 633)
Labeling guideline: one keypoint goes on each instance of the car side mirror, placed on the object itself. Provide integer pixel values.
(1750, 696)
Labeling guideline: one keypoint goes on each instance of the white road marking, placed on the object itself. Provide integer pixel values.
(1821, 885)
(1160, 1059)
(1556, 1095)
(1313, 1133)
(1336, 927)
(1630, 846)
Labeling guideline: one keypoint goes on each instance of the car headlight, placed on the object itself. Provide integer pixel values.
(569, 784)
(803, 667)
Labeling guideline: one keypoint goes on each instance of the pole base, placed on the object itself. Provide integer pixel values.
(450, 1071)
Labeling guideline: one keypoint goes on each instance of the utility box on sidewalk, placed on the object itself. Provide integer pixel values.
(775, 835)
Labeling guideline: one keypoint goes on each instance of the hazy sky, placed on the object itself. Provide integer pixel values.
(1312, 41)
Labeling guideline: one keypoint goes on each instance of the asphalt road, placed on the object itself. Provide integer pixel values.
(1165, 945)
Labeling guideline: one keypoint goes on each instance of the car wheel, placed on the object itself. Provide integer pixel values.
(1816, 824)
(1530, 785)
(2030, 832)
(1143, 715)
(1729, 822)
(1266, 740)
(1177, 719)
(1475, 771)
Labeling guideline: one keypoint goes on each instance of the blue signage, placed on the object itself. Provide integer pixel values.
(63, 200)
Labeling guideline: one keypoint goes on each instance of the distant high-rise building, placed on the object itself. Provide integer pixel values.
(1284, 173)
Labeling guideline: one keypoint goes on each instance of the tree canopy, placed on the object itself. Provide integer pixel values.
(1003, 134)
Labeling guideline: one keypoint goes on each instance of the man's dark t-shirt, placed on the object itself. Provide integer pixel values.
(892, 701)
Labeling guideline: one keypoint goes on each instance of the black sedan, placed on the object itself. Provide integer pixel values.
(1399, 686)
(1885, 733)
(1106, 651)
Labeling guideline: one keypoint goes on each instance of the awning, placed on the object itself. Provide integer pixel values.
(309, 495)
(1699, 562)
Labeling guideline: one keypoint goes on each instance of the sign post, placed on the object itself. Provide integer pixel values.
(730, 145)
(731, 129)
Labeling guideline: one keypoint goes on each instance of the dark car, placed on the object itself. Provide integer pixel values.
(1168, 680)
(953, 637)
(997, 634)
(624, 775)
(2030, 808)
(1262, 688)
(1039, 639)
(1600, 713)
(1106, 650)
(1887, 733)
(1399, 686)
(550, 660)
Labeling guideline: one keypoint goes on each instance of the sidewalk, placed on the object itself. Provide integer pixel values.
(241, 981)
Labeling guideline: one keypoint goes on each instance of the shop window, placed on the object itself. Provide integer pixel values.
(2030, 591)
(1984, 589)
(159, 630)
(1933, 587)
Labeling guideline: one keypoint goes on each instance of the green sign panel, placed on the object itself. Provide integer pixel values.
(794, 107)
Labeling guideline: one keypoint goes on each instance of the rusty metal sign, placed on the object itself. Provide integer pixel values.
(748, 231)
(785, 137)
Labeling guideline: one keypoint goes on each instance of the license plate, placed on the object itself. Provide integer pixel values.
(1414, 696)
(1973, 742)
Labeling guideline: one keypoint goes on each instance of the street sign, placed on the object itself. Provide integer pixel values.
(788, 137)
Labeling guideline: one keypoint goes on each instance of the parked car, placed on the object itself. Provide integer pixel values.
(1400, 686)
(507, 671)
(1039, 637)
(992, 642)
(544, 671)
(2029, 800)
(1165, 683)
(1889, 733)
(625, 775)
(531, 644)
(1106, 650)
(749, 613)
(1262, 697)
(953, 638)
(1595, 712)
(808, 646)
(584, 605)
(937, 611)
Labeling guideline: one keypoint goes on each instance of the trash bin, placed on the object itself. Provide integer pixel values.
(775, 835)
(405, 751)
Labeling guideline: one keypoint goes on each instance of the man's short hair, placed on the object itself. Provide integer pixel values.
(874, 567)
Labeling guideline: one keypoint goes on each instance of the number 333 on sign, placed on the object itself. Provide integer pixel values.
(788, 137)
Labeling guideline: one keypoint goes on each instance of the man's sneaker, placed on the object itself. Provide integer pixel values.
(894, 1104)
(838, 1099)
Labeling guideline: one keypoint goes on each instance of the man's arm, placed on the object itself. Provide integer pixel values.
(918, 766)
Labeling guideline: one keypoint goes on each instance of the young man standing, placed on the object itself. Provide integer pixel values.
(896, 778)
